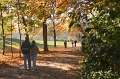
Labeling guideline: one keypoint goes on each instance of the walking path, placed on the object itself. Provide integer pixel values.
(58, 63)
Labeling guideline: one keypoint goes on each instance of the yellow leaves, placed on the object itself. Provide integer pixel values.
(43, 8)
(43, 19)
(56, 27)
(102, 2)
(61, 28)
(61, 6)
(37, 8)
(15, 29)
(58, 11)
(62, 3)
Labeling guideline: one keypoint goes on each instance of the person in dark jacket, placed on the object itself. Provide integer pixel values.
(65, 44)
(75, 42)
(25, 47)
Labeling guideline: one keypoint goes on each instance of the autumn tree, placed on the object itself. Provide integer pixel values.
(36, 10)
(4, 24)
(43, 10)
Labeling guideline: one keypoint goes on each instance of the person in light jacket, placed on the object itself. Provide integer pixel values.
(34, 52)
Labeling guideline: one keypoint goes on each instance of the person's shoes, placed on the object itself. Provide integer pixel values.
(25, 68)
(29, 68)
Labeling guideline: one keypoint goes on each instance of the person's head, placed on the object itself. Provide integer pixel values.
(26, 38)
(33, 42)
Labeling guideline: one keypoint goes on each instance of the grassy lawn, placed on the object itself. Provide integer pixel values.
(51, 43)
(16, 42)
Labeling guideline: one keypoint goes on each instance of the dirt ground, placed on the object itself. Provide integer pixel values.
(58, 63)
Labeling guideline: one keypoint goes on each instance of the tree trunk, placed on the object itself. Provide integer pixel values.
(3, 36)
(45, 36)
(54, 31)
(20, 37)
(11, 36)
(54, 37)
(19, 26)
(3, 32)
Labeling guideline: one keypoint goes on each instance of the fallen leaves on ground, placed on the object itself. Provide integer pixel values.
(57, 63)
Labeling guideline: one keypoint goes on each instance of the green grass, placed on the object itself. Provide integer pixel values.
(16, 42)
(51, 43)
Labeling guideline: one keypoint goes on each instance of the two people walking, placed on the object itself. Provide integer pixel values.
(73, 43)
(29, 51)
